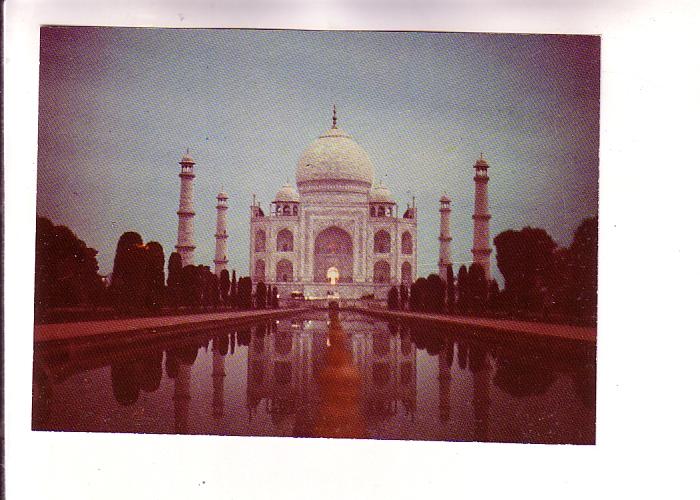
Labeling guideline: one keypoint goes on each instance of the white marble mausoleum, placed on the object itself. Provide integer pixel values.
(338, 231)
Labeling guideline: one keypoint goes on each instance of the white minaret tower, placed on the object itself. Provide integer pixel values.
(220, 259)
(445, 238)
(481, 249)
(185, 227)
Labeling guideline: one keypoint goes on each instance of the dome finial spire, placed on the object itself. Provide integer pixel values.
(335, 118)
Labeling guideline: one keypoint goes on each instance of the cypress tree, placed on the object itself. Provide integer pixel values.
(224, 286)
(154, 275)
(244, 293)
(175, 279)
(462, 289)
(232, 294)
(260, 295)
(450, 289)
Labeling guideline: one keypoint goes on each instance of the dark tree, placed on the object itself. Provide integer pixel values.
(462, 289)
(175, 279)
(584, 268)
(154, 275)
(275, 297)
(393, 298)
(212, 289)
(434, 298)
(203, 284)
(128, 284)
(66, 268)
(260, 295)
(493, 296)
(232, 294)
(191, 293)
(224, 286)
(450, 289)
(417, 293)
(525, 259)
(403, 297)
(244, 293)
(477, 288)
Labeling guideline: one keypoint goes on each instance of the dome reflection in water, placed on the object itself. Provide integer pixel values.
(343, 375)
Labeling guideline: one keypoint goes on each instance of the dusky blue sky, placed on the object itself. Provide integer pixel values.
(118, 107)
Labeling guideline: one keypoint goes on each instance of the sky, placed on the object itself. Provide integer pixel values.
(119, 106)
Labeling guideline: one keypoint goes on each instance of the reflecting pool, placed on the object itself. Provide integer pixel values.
(348, 376)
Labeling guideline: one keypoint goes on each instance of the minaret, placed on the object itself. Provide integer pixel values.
(185, 227)
(481, 249)
(218, 372)
(182, 397)
(220, 259)
(445, 238)
(445, 358)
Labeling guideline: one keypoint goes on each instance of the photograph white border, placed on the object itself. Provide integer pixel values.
(646, 407)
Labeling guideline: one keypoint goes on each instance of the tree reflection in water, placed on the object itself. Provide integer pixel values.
(129, 378)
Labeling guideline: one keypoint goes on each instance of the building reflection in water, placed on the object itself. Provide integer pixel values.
(286, 363)
(178, 364)
(218, 372)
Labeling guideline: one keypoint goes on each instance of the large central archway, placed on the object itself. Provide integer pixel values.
(333, 248)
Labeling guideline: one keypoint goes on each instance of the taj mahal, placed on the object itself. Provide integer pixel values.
(338, 232)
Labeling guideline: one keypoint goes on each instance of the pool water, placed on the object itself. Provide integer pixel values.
(312, 376)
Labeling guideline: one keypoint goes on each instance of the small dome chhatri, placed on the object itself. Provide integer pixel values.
(481, 163)
(445, 199)
(381, 194)
(287, 194)
(187, 158)
(334, 157)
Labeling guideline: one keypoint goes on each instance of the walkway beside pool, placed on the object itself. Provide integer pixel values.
(128, 327)
(571, 332)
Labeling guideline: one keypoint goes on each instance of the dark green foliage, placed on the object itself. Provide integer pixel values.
(154, 275)
(403, 297)
(128, 284)
(224, 286)
(462, 289)
(175, 279)
(275, 297)
(584, 268)
(434, 298)
(450, 289)
(66, 268)
(191, 293)
(244, 293)
(526, 261)
(260, 295)
(477, 288)
(211, 288)
(493, 300)
(417, 292)
(393, 298)
(232, 294)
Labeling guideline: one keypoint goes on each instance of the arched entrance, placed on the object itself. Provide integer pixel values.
(333, 248)
(332, 275)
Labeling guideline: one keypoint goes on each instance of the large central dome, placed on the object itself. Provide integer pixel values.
(334, 161)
